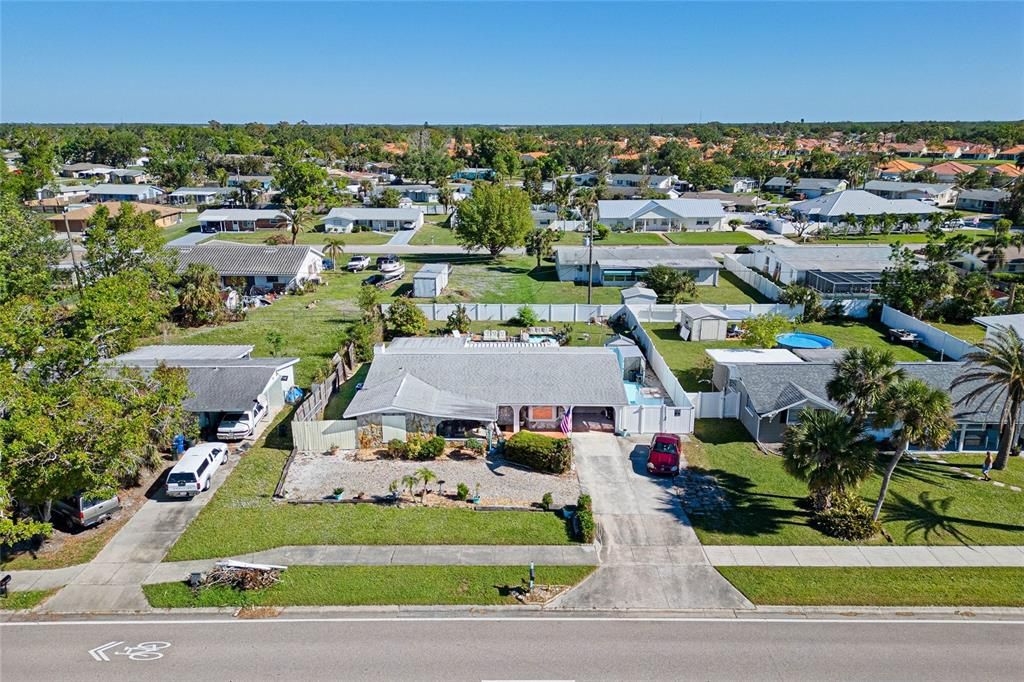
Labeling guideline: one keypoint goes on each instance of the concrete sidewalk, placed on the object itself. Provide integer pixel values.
(888, 556)
(394, 555)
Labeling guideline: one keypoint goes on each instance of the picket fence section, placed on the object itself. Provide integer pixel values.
(948, 346)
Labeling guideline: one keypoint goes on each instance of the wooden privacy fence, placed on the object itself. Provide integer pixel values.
(312, 407)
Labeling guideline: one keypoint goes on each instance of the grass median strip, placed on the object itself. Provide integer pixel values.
(878, 586)
(243, 518)
(15, 601)
(374, 586)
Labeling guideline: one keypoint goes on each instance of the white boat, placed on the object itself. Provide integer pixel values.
(392, 268)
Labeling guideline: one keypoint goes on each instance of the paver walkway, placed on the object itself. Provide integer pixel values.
(113, 580)
(947, 556)
(650, 556)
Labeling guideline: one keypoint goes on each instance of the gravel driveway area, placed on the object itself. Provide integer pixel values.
(314, 476)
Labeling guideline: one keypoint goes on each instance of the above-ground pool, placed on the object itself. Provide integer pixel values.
(802, 340)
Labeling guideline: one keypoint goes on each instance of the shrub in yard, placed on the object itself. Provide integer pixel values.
(526, 317)
(475, 446)
(462, 492)
(547, 501)
(396, 448)
(543, 453)
(601, 232)
(583, 522)
(847, 519)
(583, 502)
(432, 448)
(412, 447)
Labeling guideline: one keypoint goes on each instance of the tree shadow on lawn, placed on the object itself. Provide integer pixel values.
(930, 517)
(753, 513)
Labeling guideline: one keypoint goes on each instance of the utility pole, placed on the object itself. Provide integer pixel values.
(71, 250)
(590, 258)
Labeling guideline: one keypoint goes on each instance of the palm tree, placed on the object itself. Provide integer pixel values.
(868, 224)
(888, 223)
(425, 475)
(199, 294)
(409, 482)
(922, 416)
(829, 452)
(862, 376)
(249, 190)
(297, 215)
(446, 197)
(563, 193)
(849, 220)
(996, 372)
(334, 245)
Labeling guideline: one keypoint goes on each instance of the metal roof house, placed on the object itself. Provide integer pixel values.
(831, 208)
(242, 220)
(771, 397)
(941, 194)
(830, 269)
(810, 188)
(377, 219)
(662, 215)
(443, 386)
(627, 265)
(200, 195)
(126, 192)
(244, 266)
(221, 379)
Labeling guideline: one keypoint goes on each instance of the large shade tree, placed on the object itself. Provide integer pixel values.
(494, 218)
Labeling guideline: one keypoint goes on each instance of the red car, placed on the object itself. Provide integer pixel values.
(663, 457)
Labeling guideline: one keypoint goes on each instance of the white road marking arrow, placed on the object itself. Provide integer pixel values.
(98, 654)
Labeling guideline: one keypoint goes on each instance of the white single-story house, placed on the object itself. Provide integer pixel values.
(984, 200)
(242, 220)
(739, 185)
(830, 269)
(809, 187)
(64, 192)
(221, 379)
(111, 192)
(86, 170)
(264, 182)
(128, 176)
(635, 180)
(245, 266)
(1012, 260)
(200, 196)
(431, 280)
(662, 215)
(996, 324)
(623, 266)
(833, 208)
(345, 218)
(420, 194)
(448, 386)
(940, 194)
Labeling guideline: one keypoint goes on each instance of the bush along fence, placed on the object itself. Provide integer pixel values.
(948, 346)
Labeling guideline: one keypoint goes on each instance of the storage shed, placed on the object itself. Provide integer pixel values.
(700, 322)
(431, 280)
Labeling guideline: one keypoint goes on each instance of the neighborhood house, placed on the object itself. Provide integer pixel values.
(834, 208)
(627, 265)
(832, 269)
(662, 215)
(77, 219)
(248, 266)
(109, 192)
(242, 220)
(376, 219)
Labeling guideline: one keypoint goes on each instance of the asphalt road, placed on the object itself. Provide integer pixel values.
(515, 649)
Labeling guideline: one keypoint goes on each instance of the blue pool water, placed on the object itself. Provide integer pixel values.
(635, 397)
(802, 340)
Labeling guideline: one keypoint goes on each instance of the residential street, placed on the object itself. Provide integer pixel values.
(471, 649)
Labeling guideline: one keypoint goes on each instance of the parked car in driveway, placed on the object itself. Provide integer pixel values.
(194, 471)
(83, 511)
(239, 425)
(358, 263)
(760, 224)
(663, 457)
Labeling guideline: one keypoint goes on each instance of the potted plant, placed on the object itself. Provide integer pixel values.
(334, 450)
(338, 493)
(393, 490)
(476, 495)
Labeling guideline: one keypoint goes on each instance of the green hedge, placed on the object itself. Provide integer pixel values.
(543, 453)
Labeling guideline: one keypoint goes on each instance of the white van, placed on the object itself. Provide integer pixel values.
(193, 473)
(239, 425)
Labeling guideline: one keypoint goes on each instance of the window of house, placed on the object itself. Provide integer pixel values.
(391, 223)
(703, 222)
(272, 279)
(542, 413)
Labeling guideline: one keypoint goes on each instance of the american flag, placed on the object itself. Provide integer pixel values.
(565, 426)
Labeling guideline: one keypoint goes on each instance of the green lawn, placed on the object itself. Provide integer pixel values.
(15, 601)
(911, 238)
(307, 237)
(242, 518)
(432, 234)
(614, 239)
(711, 238)
(189, 223)
(583, 333)
(338, 402)
(927, 504)
(685, 357)
(969, 332)
(81, 549)
(374, 585)
(785, 586)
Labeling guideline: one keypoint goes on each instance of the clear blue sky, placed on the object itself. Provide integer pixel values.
(490, 62)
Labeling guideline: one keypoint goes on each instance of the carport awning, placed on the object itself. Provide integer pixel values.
(405, 393)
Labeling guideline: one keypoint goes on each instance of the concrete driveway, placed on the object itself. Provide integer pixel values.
(650, 556)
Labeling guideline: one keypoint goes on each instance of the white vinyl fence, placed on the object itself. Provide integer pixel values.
(949, 346)
(581, 312)
(765, 286)
(715, 405)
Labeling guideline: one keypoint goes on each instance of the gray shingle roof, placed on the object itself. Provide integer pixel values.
(832, 257)
(124, 190)
(246, 259)
(772, 387)
(638, 256)
(628, 209)
(406, 393)
(859, 203)
(499, 374)
(893, 186)
(186, 352)
(985, 194)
